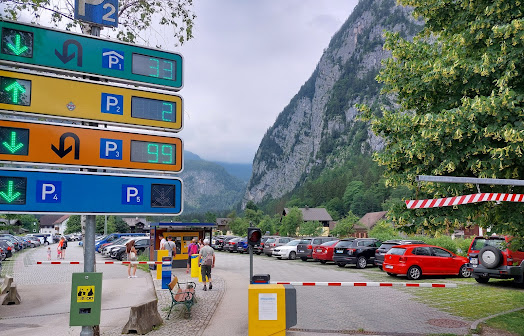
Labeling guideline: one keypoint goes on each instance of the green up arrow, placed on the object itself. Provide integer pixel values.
(17, 48)
(9, 197)
(16, 89)
(13, 146)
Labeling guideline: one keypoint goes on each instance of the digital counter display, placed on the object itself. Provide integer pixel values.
(17, 43)
(154, 67)
(153, 109)
(15, 91)
(153, 152)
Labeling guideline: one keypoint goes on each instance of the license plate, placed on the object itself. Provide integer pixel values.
(389, 266)
(339, 251)
(300, 251)
(474, 261)
(319, 250)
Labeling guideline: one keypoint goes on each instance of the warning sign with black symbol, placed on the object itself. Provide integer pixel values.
(85, 294)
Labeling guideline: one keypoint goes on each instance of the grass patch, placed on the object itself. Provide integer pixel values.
(513, 322)
(469, 300)
(143, 267)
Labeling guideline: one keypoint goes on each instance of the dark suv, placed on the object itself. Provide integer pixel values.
(387, 245)
(358, 251)
(306, 246)
(492, 257)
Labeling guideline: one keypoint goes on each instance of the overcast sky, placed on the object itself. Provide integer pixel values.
(247, 60)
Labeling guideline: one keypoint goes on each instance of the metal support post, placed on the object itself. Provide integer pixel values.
(250, 264)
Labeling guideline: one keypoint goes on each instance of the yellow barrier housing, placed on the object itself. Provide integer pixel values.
(272, 309)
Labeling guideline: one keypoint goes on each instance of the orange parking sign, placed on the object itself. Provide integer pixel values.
(78, 146)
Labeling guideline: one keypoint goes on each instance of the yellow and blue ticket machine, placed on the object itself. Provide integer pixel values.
(86, 299)
(272, 309)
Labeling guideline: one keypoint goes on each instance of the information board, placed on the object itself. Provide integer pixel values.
(58, 192)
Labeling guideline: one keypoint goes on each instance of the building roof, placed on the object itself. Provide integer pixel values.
(370, 219)
(313, 214)
(223, 221)
(51, 220)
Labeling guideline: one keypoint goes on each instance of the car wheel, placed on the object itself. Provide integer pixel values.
(279, 258)
(362, 262)
(303, 258)
(482, 280)
(463, 272)
(391, 274)
(380, 268)
(414, 273)
(322, 262)
(292, 255)
(259, 253)
(490, 257)
(341, 265)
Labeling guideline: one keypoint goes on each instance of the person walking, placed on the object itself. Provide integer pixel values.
(64, 246)
(192, 249)
(206, 259)
(48, 253)
(132, 255)
(170, 246)
(162, 242)
(59, 248)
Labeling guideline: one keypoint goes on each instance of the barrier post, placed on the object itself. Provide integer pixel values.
(159, 255)
(195, 268)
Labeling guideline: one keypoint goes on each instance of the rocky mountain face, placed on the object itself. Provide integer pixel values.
(318, 129)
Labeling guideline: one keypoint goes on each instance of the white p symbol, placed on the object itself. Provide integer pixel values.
(131, 192)
(82, 5)
(47, 189)
(110, 102)
(110, 147)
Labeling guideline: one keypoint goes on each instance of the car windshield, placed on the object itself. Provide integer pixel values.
(397, 251)
(330, 243)
(294, 242)
(270, 240)
(480, 243)
(344, 243)
(305, 241)
(387, 246)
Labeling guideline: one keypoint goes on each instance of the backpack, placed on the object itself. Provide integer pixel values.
(193, 249)
(64, 244)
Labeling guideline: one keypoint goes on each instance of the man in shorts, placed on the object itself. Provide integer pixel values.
(206, 259)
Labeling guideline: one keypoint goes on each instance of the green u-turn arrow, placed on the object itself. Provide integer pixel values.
(10, 196)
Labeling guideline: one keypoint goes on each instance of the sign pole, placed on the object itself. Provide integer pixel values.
(89, 249)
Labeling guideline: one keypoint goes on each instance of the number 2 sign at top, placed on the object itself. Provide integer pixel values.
(100, 12)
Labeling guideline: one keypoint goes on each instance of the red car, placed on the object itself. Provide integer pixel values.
(417, 260)
(324, 252)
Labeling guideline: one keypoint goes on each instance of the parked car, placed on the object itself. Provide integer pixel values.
(306, 246)
(493, 257)
(7, 247)
(141, 244)
(214, 241)
(416, 260)
(17, 246)
(243, 246)
(232, 244)
(112, 237)
(387, 245)
(324, 252)
(105, 249)
(358, 251)
(221, 242)
(273, 242)
(287, 251)
(258, 249)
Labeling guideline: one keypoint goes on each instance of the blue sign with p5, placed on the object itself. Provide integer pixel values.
(100, 12)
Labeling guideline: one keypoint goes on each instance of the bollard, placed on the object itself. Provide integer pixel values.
(159, 255)
(195, 268)
(166, 272)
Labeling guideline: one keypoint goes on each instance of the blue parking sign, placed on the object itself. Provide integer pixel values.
(132, 194)
(112, 103)
(102, 12)
(48, 191)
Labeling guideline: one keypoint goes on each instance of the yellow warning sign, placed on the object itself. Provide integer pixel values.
(85, 294)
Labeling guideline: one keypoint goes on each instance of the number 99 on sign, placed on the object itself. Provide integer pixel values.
(153, 152)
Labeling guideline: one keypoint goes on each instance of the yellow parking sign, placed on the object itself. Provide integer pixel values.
(85, 294)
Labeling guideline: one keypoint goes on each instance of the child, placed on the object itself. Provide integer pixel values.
(48, 253)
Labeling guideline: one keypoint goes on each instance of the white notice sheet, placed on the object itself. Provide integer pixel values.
(267, 306)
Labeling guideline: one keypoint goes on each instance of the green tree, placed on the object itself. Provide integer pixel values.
(384, 230)
(120, 225)
(310, 228)
(251, 205)
(27, 221)
(291, 222)
(345, 226)
(459, 87)
(74, 224)
(100, 222)
(210, 217)
(269, 224)
(135, 18)
(254, 217)
(239, 226)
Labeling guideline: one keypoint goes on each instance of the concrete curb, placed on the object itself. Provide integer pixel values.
(476, 323)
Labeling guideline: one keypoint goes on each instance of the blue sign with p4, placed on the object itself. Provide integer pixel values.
(101, 12)
(48, 191)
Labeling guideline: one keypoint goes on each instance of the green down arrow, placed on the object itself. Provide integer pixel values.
(10, 196)
(17, 48)
(13, 146)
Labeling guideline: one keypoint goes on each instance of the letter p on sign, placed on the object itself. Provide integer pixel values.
(99, 12)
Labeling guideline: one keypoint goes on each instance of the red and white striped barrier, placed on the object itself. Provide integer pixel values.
(49, 262)
(464, 199)
(368, 284)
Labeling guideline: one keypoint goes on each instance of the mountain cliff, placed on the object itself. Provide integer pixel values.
(317, 130)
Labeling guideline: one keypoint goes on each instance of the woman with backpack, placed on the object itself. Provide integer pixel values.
(192, 249)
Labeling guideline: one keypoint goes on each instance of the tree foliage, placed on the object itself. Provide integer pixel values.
(134, 17)
(310, 228)
(345, 226)
(459, 86)
(74, 224)
(291, 222)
